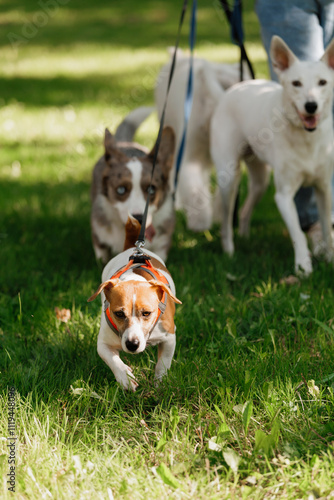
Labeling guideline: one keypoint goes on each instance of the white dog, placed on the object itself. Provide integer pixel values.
(288, 126)
(193, 192)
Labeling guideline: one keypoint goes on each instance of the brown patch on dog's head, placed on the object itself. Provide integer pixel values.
(116, 180)
(166, 149)
(162, 287)
(116, 177)
(110, 148)
(167, 319)
(160, 182)
(107, 286)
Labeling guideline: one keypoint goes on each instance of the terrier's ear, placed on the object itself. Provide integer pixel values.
(164, 288)
(107, 286)
(281, 56)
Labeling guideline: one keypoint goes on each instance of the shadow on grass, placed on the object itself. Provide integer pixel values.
(62, 91)
(46, 232)
(55, 23)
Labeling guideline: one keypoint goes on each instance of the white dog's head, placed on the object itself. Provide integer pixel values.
(307, 86)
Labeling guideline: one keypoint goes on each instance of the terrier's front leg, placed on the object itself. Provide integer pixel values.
(165, 355)
(122, 372)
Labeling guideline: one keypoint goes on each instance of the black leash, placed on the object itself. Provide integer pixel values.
(141, 238)
(234, 18)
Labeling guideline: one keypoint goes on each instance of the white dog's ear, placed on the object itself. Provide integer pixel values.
(328, 57)
(281, 56)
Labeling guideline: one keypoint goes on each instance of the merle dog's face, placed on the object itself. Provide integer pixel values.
(127, 179)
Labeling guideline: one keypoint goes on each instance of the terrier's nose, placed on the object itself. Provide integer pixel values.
(139, 217)
(311, 107)
(133, 345)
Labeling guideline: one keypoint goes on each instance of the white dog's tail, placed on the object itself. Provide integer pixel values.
(212, 83)
(127, 129)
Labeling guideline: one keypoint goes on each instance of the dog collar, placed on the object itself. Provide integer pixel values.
(148, 268)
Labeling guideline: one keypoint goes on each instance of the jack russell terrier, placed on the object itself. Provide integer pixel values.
(120, 184)
(193, 193)
(288, 126)
(137, 309)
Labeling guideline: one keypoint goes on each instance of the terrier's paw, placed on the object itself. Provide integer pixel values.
(127, 379)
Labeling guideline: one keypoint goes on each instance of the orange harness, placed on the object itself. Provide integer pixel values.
(148, 268)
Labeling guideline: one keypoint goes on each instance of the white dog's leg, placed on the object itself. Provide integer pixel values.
(228, 177)
(165, 355)
(193, 194)
(289, 214)
(324, 203)
(226, 147)
(257, 184)
(122, 372)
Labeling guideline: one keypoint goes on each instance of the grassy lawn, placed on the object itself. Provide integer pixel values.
(247, 409)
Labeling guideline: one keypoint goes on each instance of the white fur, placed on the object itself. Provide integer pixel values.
(115, 237)
(267, 117)
(135, 203)
(193, 191)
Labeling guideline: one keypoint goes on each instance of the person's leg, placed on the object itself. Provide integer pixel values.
(297, 22)
(327, 23)
(333, 200)
(327, 20)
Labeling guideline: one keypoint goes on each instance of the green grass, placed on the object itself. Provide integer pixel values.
(238, 415)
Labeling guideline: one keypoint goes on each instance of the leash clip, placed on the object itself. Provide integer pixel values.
(139, 244)
(138, 255)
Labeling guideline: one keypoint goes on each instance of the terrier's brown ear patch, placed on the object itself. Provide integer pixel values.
(107, 285)
(163, 287)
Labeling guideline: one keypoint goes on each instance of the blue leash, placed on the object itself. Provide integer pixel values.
(190, 91)
(235, 19)
(141, 238)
